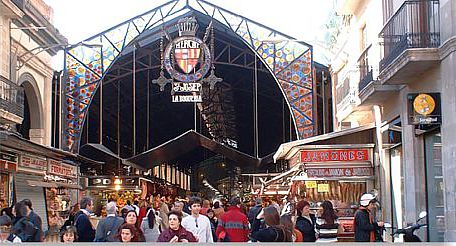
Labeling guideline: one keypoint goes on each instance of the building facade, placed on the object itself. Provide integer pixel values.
(396, 69)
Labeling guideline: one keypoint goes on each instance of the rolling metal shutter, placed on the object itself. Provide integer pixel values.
(34, 193)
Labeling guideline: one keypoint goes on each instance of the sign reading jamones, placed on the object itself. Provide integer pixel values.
(335, 155)
(60, 169)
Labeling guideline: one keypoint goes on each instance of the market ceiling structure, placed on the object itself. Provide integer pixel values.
(99, 72)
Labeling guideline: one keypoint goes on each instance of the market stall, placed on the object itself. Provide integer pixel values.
(8, 166)
(337, 173)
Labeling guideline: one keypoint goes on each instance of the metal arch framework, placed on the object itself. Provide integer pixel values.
(86, 63)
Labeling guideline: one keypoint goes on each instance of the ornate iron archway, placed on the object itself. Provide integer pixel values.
(86, 63)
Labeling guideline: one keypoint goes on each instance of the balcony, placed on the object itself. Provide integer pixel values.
(11, 102)
(365, 71)
(410, 40)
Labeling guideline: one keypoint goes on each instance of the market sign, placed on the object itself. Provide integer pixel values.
(110, 182)
(33, 162)
(8, 162)
(192, 92)
(340, 172)
(424, 109)
(335, 155)
(60, 169)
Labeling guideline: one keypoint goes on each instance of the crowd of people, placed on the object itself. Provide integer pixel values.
(195, 220)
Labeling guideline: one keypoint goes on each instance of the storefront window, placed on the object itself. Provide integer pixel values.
(397, 189)
(435, 188)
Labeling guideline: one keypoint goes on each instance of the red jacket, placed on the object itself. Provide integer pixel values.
(235, 224)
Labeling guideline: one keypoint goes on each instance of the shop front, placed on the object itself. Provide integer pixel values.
(8, 166)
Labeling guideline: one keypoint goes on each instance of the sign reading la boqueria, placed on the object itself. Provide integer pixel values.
(340, 172)
(335, 155)
(60, 169)
(187, 59)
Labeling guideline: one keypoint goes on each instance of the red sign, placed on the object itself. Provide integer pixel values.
(8, 166)
(340, 172)
(33, 163)
(334, 155)
(60, 169)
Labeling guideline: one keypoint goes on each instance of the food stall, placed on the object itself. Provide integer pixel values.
(337, 173)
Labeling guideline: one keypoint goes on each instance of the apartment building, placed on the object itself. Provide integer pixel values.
(394, 65)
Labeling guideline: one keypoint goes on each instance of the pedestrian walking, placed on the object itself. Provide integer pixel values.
(150, 226)
(179, 207)
(206, 206)
(164, 210)
(68, 234)
(86, 232)
(35, 218)
(23, 229)
(132, 219)
(287, 222)
(218, 210)
(233, 226)
(214, 223)
(305, 221)
(256, 224)
(128, 233)
(327, 225)
(198, 224)
(365, 225)
(107, 227)
(176, 233)
(274, 231)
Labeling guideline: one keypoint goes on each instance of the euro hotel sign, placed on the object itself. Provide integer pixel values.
(424, 109)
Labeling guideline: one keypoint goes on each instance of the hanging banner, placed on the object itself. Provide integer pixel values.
(311, 184)
(335, 155)
(323, 188)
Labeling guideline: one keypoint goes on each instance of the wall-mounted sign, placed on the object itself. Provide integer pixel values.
(424, 109)
(33, 162)
(335, 155)
(8, 162)
(110, 182)
(340, 172)
(60, 169)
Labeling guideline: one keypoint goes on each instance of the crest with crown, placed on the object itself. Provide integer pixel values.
(187, 26)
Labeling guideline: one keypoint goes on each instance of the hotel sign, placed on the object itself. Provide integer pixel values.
(424, 109)
(335, 155)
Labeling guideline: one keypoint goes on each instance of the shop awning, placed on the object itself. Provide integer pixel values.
(69, 186)
(185, 143)
(41, 184)
(285, 149)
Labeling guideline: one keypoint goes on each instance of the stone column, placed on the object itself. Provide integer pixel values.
(414, 168)
(37, 136)
(448, 97)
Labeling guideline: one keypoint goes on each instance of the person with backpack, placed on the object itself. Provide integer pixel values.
(35, 218)
(86, 232)
(23, 230)
(256, 224)
(233, 226)
(107, 227)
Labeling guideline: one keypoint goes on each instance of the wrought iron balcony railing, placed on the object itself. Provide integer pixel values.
(414, 25)
(11, 97)
(365, 70)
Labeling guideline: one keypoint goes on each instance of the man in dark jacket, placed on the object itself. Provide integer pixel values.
(107, 227)
(86, 232)
(34, 218)
(365, 225)
(253, 213)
